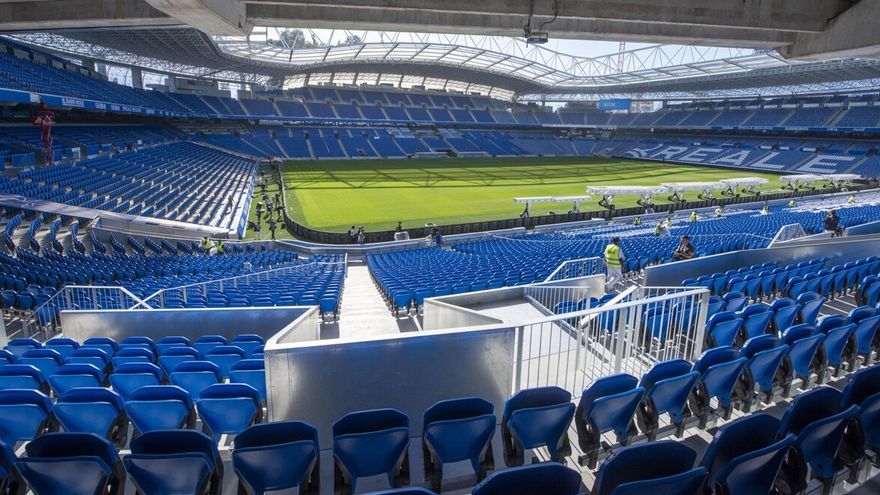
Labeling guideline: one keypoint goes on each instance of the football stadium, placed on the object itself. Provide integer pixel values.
(415, 247)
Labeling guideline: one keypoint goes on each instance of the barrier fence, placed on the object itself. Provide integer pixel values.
(581, 267)
(639, 328)
(787, 233)
(46, 318)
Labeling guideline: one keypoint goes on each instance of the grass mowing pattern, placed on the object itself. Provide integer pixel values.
(333, 195)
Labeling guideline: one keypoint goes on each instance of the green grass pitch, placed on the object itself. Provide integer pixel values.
(334, 195)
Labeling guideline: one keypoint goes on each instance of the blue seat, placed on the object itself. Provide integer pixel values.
(224, 356)
(867, 337)
(785, 317)
(70, 376)
(860, 313)
(863, 390)
(72, 463)
(90, 355)
(175, 355)
(827, 435)
(170, 342)
(831, 321)
(22, 376)
(806, 352)
(64, 346)
(725, 333)
(132, 355)
(609, 404)
(277, 456)
(229, 408)
(458, 430)
(7, 357)
(138, 341)
(546, 478)
(840, 347)
(810, 309)
(536, 417)
(195, 376)
(131, 376)
(720, 370)
(21, 345)
(190, 455)
(370, 443)
(160, 407)
(665, 467)
(745, 456)
(205, 343)
(24, 415)
(667, 385)
(404, 491)
(46, 360)
(251, 372)
(106, 344)
(248, 342)
(757, 324)
(93, 410)
(766, 367)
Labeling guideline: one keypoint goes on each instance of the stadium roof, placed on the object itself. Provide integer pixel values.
(463, 62)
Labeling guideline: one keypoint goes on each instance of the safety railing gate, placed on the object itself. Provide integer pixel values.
(46, 318)
(578, 268)
(629, 334)
(787, 233)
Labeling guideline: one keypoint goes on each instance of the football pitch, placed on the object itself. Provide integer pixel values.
(334, 195)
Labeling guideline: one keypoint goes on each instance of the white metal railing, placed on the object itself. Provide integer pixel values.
(47, 317)
(578, 268)
(787, 233)
(182, 293)
(548, 297)
(641, 327)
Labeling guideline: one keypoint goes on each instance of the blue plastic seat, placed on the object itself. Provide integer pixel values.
(46, 360)
(745, 456)
(190, 455)
(138, 341)
(23, 376)
(370, 443)
(860, 313)
(278, 456)
(93, 410)
(458, 430)
(175, 355)
(867, 337)
(21, 345)
(863, 390)
(160, 407)
(132, 355)
(24, 415)
(546, 478)
(665, 467)
(840, 347)
(536, 417)
(224, 356)
(62, 345)
(609, 404)
(229, 408)
(821, 426)
(106, 344)
(170, 342)
(248, 342)
(70, 376)
(72, 463)
(806, 352)
(785, 317)
(766, 367)
(131, 376)
(205, 343)
(810, 309)
(725, 333)
(90, 355)
(831, 321)
(251, 372)
(195, 376)
(667, 385)
(757, 324)
(720, 369)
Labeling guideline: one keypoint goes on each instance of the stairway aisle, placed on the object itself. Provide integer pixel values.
(364, 313)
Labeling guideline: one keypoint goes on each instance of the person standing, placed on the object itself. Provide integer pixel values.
(831, 223)
(272, 228)
(351, 234)
(694, 216)
(637, 221)
(852, 199)
(399, 227)
(438, 238)
(792, 203)
(361, 236)
(221, 248)
(257, 229)
(613, 263)
(719, 212)
(765, 210)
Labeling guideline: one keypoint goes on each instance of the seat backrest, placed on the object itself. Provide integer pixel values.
(754, 471)
(863, 384)
(643, 462)
(810, 406)
(550, 477)
(534, 397)
(747, 434)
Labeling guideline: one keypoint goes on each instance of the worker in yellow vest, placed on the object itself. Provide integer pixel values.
(694, 216)
(852, 199)
(637, 221)
(613, 262)
(791, 204)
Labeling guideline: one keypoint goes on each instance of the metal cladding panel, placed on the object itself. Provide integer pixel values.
(187, 322)
(320, 382)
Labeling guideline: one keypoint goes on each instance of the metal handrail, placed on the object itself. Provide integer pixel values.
(596, 260)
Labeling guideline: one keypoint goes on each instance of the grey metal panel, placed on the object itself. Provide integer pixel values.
(864, 229)
(304, 329)
(841, 249)
(188, 322)
(322, 381)
(441, 315)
